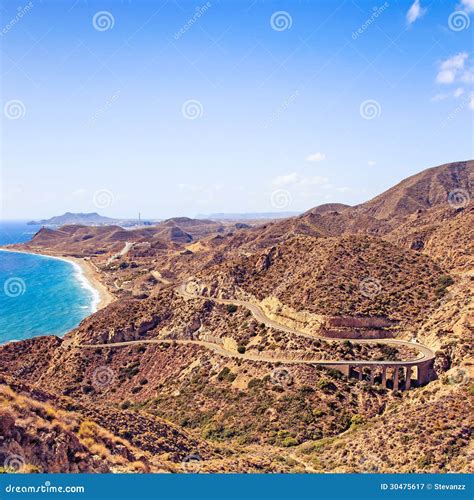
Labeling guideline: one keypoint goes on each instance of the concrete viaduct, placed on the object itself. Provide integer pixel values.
(398, 375)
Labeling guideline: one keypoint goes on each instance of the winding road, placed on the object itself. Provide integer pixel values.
(426, 355)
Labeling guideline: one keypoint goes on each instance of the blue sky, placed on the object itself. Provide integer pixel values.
(179, 108)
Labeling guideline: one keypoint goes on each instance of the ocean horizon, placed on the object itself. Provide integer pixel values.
(39, 294)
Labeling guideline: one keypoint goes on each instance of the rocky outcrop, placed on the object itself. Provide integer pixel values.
(356, 333)
(266, 260)
(287, 316)
(31, 443)
(345, 327)
(133, 332)
(358, 322)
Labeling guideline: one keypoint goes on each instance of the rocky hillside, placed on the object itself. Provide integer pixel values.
(445, 234)
(164, 380)
(428, 189)
(349, 276)
(429, 431)
(157, 397)
(418, 199)
(81, 240)
(38, 437)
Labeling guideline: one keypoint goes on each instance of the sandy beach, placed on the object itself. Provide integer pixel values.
(95, 279)
(91, 278)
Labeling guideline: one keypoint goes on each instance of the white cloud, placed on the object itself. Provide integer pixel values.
(297, 180)
(316, 157)
(457, 69)
(450, 68)
(467, 6)
(371, 163)
(446, 77)
(415, 12)
(285, 180)
(455, 62)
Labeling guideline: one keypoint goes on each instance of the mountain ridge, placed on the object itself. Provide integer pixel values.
(200, 374)
(86, 219)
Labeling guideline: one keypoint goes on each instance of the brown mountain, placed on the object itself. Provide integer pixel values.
(183, 376)
(95, 240)
(410, 212)
(329, 276)
(422, 191)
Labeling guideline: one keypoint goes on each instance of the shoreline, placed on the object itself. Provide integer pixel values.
(86, 274)
(90, 278)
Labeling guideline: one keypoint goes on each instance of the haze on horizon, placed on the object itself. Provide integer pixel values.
(259, 107)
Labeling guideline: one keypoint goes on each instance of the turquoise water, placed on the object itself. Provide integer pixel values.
(38, 295)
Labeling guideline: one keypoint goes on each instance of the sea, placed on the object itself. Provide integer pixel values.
(39, 295)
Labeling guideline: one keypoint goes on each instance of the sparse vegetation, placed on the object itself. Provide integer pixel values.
(267, 413)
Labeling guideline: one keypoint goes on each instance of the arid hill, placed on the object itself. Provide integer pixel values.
(37, 437)
(96, 240)
(444, 189)
(89, 219)
(428, 189)
(168, 380)
(429, 431)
